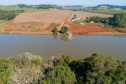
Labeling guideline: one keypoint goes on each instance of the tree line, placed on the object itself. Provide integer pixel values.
(45, 7)
(9, 14)
(23, 6)
(28, 68)
(112, 6)
(117, 21)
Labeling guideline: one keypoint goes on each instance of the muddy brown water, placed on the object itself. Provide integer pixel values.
(49, 45)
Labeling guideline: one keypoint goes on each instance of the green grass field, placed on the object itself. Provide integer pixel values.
(16, 7)
(3, 22)
(107, 11)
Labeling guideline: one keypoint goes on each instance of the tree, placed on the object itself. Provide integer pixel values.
(74, 17)
(55, 31)
(64, 29)
(99, 69)
(59, 75)
(119, 20)
(9, 15)
(87, 19)
(67, 58)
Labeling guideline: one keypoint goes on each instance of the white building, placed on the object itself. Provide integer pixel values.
(76, 19)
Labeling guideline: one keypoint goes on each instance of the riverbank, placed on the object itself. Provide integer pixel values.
(39, 24)
(75, 29)
(74, 33)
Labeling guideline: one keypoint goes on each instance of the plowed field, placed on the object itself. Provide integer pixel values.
(90, 29)
(36, 22)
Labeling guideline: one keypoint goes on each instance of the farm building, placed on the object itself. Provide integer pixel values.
(76, 19)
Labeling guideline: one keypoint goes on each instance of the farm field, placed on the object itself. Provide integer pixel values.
(107, 11)
(16, 7)
(43, 22)
(91, 29)
(70, 8)
(36, 22)
(83, 14)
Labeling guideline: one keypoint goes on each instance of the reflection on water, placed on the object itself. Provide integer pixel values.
(55, 36)
(46, 45)
(70, 38)
(64, 38)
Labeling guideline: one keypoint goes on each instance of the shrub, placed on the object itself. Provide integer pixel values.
(36, 61)
(55, 31)
(64, 29)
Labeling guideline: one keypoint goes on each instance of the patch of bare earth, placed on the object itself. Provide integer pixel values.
(91, 29)
(36, 22)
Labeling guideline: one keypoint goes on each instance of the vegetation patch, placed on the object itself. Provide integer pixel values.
(107, 11)
(64, 30)
(31, 27)
(26, 9)
(3, 22)
(117, 21)
(55, 31)
(9, 15)
(45, 7)
(79, 21)
(29, 68)
(54, 24)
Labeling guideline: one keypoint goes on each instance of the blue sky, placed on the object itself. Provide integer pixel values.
(64, 2)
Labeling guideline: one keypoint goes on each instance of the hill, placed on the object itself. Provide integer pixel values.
(16, 7)
(107, 11)
(111, 6)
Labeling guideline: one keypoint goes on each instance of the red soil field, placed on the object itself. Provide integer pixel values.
(88, 29)
(39, 23)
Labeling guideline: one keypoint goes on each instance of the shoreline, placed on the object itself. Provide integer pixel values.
(77, 33)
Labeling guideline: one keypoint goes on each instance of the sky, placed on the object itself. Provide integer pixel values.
(64, 2)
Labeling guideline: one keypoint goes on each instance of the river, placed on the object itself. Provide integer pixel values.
(49, 45)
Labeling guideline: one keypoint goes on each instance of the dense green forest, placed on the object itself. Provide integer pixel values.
(117, 21)
(29, 68)
(9, 15)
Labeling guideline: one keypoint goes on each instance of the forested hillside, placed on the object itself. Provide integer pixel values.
(29, 68)
(9, 15)
(117, 21)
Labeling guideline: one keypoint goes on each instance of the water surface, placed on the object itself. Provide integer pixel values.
(49, 45)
